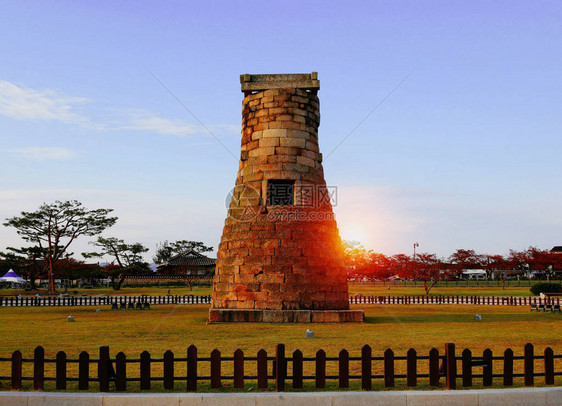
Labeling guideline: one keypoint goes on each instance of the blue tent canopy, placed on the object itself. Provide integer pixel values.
(11, 276)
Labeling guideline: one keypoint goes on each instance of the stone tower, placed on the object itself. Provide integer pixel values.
(280, 256)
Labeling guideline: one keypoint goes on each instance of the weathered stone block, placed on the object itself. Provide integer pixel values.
(233, 261)
(253, 296)
(226, 278)
(280, 174)
(262, 112)
(278, 110)
(244, 301)
(254, 260)
(299, 134)
(270, 305)
(267, 243)
(262, 225)
(244, 278)
(325, 317)
(284, 117)
(274, 132)
(282, 159)
(303, 316)
(273, 316)
(303, 161)
(310, 154)
(287, 151)
(292, 125)
(312, 146)
(251, 269)
(269, 142)
(288, 252)
(293, 142)
(267, 151)
(275, 125)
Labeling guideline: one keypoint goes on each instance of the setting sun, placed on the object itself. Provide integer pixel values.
(352, 232)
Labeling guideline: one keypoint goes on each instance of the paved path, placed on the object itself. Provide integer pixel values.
(511, 397)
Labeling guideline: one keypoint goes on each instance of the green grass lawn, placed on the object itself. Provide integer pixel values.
(367, 288)
(175, 327)
(125, 291)
(164, 327)
(450, 290)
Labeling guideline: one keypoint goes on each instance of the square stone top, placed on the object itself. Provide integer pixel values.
(256, 83)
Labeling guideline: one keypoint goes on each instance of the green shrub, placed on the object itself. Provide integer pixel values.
(545, 287)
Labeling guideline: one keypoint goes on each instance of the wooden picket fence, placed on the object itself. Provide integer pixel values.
(194, 299)
(472, 300)
(280, 369)
(102, 300)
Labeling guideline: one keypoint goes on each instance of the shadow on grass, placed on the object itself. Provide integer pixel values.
(461, 318)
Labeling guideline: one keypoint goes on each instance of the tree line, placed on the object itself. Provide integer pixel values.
(427, 267)
(49, 232)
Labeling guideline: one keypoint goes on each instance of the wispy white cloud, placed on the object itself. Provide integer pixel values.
(31, 104)
(143, 120)
(49, 105)
(225, 129)
(45, 153)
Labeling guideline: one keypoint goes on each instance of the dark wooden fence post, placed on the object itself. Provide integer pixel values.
(320, 369)
(389, 368)
(192, 368)
(61, 370)
(145, 370)
(262, 369)
(120, 372)
(467, 368)
(451, 365)
(508, 367)
(548, 366)
(366, 356)
(281, 370)
(343, 369)
(169, 370)
(83, 371)
(239, 369)
(529, 365)
(215, 369)
(16, 370)
(434, 367)
(297, 369)
(412, 367)
(103, 369)
(487, 368)
(39, 368)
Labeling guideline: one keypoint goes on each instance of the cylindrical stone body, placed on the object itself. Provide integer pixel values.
(280, 248)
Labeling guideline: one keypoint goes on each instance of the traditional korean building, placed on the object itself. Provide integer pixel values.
(189, 263)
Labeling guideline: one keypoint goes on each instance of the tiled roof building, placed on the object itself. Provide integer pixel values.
(188, 263)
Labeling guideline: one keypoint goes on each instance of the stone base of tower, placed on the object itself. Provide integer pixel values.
(284, 316)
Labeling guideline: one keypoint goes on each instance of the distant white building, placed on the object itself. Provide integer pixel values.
(474, 274)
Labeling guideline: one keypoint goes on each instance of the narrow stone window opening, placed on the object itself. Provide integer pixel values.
(280, 192)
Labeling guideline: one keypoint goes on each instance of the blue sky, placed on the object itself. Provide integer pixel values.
(466, 153)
